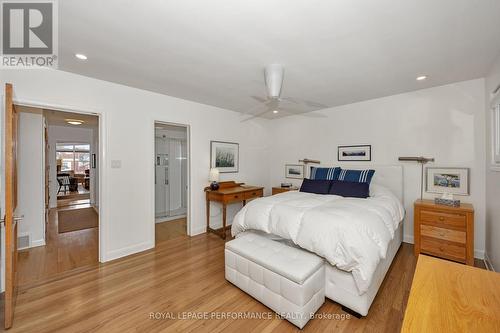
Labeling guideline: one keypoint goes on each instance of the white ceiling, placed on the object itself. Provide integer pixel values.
(58, 118)
(334, 52)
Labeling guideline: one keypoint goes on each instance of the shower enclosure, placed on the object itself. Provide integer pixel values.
(170, 172)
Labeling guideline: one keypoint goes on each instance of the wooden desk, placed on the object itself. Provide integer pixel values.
(230, 192)
(450, 297)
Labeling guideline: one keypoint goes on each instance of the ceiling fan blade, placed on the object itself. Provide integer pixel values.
(315, 104)
(309, 104)
(305, 113)
(260, 99)
(260, 114)
(291, 100)
(312, 115)
(253, 109)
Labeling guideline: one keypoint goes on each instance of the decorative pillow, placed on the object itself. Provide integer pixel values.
(358, 176)
(350, 189)
(325, 173)
(320, 186)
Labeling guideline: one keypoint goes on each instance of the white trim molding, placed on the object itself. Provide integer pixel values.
(495, 136)
(126, 251)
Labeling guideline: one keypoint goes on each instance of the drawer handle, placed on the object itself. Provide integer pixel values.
(441, 218)
(442, 234)
(441, 249)
(236, 197)
(254, 193)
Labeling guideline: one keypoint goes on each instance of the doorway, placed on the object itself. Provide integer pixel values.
(171, 180)
(61, 222)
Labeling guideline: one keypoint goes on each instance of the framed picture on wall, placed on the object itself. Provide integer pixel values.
(295, 171)
(447, 180)
(224, 156)
(354, 153)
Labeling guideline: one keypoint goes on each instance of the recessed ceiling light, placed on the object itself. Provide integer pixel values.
(421, 77)
(81, 56)
(275, 111)
(74, 121)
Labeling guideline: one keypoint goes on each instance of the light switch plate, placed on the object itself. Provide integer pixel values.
(116, 164)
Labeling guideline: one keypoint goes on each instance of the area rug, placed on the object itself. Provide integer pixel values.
(77, 219)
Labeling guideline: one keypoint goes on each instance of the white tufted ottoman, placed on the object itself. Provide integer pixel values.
(288, 280)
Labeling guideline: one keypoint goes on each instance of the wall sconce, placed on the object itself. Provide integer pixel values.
(422, 160)
(309, 161)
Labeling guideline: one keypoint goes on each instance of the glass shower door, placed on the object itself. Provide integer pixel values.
(162, 191)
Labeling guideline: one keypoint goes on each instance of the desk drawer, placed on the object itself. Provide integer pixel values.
(441, 248)
(234, 197)
(443, 219)
(254, 194)
(442, 233)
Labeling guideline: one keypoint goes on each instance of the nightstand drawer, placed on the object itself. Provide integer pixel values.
(443, 219)
(254, 194)
(442, 233)
(441, 248)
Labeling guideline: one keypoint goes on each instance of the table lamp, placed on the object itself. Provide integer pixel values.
(214, 178)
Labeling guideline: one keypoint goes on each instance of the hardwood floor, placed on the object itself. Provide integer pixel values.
(181, 276)
(62, 252)
(169, 230)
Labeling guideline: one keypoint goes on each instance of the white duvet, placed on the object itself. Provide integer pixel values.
(352, 234)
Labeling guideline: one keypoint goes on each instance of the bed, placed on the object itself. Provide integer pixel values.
(357, 237)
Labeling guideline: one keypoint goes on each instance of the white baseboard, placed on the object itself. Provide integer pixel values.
(39, 242)
(198, 230)
(408, 239)
(487, 262)
(126, 251)
(479, 254)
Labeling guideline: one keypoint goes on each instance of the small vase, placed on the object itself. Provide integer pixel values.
(214, 186)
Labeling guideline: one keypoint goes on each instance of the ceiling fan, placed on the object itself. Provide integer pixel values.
(273, 103)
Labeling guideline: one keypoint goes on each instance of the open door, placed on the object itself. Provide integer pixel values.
(11, 130)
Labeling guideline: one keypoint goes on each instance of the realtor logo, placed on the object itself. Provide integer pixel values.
(29, 34)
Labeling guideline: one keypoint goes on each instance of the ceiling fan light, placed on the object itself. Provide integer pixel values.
(275, 111)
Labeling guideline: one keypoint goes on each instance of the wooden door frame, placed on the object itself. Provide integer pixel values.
(10, 193)
(189, 228)
(103, 233)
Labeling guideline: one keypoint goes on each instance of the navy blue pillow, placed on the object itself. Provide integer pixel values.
(321, 186)
(325, 173)
(350, 189)
(358, 176)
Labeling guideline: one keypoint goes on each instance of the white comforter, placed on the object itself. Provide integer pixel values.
(352, 234)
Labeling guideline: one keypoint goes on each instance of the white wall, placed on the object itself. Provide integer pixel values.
(128, 115)
(445, 122)
(492, 179)
(70, 134)
(31, 178)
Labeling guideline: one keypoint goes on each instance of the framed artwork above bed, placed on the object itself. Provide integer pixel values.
(295, 171)
(354, 153)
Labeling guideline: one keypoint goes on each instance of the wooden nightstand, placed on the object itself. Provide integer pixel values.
(277, 190)
(446, 232)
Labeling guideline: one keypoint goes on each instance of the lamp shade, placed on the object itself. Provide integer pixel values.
(213, 175)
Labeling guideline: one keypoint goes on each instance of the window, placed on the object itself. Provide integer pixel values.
(73, 157)
(496, 134)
